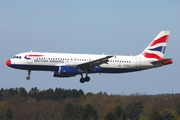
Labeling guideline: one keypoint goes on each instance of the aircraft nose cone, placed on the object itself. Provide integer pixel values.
(8, 63)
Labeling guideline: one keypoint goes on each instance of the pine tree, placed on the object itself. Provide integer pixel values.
(9, 114)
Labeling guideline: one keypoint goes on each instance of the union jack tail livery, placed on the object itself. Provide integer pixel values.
(156, 48)
(154, 52)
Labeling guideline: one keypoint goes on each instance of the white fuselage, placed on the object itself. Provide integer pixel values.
(51, 62)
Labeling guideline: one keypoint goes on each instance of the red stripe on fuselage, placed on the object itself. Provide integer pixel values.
(162, 39)
(31, 55)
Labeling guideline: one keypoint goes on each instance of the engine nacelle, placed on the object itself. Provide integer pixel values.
(66, 71)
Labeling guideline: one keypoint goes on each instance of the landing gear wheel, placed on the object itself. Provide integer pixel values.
(28, 77)
(87, 78)
(82, 80)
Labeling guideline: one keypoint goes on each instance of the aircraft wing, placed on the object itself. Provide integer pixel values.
(92, 64)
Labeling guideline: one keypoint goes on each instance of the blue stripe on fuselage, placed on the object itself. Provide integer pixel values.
(118, 70)
(35, 67)
(55, 68)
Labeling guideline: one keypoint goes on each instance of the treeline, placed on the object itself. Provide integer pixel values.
(49, 94)
(61, 104)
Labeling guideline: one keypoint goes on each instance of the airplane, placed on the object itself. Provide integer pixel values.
(69, 65)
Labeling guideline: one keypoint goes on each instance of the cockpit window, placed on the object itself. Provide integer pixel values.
(17, 57)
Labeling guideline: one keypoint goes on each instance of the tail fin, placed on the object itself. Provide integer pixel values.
(156, 48)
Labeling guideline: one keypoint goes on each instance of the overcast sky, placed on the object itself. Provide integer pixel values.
(116, 27)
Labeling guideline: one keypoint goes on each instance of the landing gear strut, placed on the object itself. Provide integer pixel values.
(29, 73)
(86, 79)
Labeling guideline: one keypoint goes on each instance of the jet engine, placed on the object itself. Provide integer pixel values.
(66, 71)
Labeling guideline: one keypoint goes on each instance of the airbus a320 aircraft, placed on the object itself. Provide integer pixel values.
(69, 65)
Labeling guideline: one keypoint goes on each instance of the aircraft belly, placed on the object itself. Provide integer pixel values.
(35, 67)
(119, 70)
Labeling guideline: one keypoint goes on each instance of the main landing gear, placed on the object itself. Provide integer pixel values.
(29, 73)
(86, 79)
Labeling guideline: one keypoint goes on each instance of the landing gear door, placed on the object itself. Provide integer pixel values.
(138, 62)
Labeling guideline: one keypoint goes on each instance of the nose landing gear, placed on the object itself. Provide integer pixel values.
(29, 73)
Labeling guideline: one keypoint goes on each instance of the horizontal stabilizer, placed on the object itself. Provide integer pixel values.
(163, 62)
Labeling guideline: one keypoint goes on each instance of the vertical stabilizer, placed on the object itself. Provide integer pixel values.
(156, 48)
